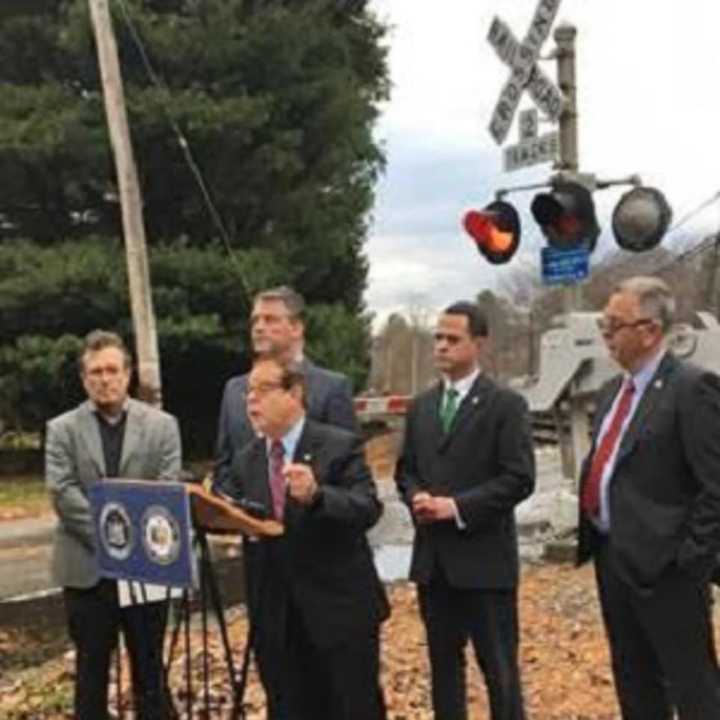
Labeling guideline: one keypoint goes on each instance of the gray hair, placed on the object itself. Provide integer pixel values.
(292, 300)
(654, 296)
(99, 340)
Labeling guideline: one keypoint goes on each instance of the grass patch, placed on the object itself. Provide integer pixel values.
(23, 496)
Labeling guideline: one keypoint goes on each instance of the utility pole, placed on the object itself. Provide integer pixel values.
(564, 37)
(143, 315)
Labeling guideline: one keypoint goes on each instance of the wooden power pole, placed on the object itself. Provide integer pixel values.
(143, 315)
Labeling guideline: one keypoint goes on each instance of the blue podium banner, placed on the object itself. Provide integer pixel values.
(144, 531)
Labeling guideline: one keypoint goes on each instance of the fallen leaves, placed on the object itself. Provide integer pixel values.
(564, 661)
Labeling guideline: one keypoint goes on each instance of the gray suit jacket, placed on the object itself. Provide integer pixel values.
(74, 461)
(329, 400)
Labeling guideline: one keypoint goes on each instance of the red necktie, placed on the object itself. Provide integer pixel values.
(591, 491)
(277, 481)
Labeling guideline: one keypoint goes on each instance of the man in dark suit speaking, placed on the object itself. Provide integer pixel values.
(315, 600)
(650, 512)
(466, 462)
(277, 330)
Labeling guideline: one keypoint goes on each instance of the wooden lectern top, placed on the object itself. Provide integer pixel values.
(213, 514)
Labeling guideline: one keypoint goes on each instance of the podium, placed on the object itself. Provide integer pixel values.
(214, 515)
(153, 532)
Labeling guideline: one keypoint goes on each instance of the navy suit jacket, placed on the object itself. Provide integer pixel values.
(328, 398)
(664, 493)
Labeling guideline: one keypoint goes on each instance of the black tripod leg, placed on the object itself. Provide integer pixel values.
(177, 611)
(204, 563)
(241, 685)
(238, 688)
(188, 661)
(118, 674)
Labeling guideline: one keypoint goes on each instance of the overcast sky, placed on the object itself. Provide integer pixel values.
(648, 104)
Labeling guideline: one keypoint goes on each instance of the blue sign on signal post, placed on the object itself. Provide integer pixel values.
(564, 267)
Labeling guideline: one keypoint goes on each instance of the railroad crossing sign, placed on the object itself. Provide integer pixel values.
(531, 150)
(524, 72)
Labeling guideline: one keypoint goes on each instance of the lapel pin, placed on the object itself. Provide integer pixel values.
(475, 400)
(307, 457)
(658, 384)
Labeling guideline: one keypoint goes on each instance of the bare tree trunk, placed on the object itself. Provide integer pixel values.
(143, 315)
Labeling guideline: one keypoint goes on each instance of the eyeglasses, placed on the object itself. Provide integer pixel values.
(610, 327)
(262, 389)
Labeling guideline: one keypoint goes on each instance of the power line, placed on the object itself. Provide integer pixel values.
(689, 216)
(156, 80)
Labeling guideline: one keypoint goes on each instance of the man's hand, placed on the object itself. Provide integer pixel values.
(427, 508)
(301, 482)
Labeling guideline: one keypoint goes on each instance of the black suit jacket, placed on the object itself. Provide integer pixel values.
(486, 463)
(664, 494)
(329, 400)
(323, 564)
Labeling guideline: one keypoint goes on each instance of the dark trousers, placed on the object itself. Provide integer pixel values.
(489, 619)
(305, 682)
(94, 620)
(661, 644)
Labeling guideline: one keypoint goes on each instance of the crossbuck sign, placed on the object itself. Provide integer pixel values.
(525, 74)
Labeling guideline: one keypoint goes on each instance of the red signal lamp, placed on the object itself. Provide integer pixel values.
(495, 230)
(567, 217)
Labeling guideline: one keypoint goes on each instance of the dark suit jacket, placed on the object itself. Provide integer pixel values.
(486, 463)
(323, 564)
(664, 494)
(329, 400)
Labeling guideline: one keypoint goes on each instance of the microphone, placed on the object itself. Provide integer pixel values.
(252, 507)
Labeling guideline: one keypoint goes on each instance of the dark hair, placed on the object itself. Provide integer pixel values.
(292, 374)
(99, 340)
(292, 300)
(477, 320)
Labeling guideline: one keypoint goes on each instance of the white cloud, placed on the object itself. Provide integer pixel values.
(646, 77)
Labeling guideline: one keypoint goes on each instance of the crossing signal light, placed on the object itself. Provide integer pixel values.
(566, 216)
(495, 230)
(641, 219)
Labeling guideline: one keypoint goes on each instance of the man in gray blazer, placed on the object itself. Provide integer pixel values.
(277, 330)
(108, 435)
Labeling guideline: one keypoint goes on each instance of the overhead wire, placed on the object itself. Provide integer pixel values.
(182, 140)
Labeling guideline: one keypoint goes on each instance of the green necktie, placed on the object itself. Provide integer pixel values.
(449, 408)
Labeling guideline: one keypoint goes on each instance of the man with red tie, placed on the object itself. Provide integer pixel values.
(315, 599)
(650, 512)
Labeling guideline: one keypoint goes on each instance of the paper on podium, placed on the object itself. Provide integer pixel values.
(214, 514)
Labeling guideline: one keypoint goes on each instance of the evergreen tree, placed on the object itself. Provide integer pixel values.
(276, 103)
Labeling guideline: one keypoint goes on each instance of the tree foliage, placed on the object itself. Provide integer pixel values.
(270, 103)
(51, 296)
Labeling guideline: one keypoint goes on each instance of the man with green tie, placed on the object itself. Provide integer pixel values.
(467, 461)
